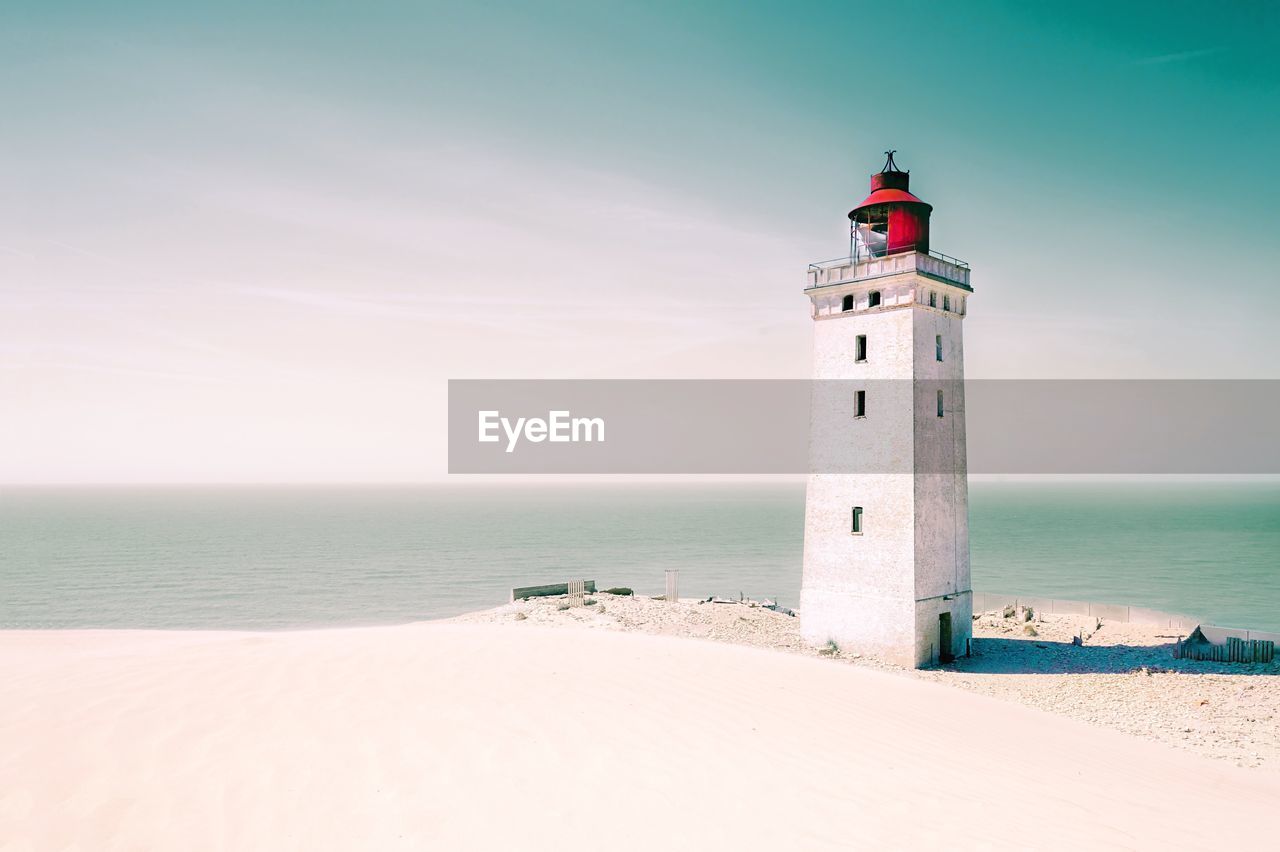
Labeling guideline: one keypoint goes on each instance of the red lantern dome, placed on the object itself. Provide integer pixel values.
(890, 219)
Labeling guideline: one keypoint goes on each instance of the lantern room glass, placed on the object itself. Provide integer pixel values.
(869, 236)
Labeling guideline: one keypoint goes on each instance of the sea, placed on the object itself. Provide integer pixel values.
(255, 558)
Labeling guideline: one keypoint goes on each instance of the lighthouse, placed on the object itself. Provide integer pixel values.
(886, 537)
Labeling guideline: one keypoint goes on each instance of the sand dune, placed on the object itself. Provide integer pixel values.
(460, 736)
(1123, 676)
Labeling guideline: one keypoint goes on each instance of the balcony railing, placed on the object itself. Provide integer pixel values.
(844, 269)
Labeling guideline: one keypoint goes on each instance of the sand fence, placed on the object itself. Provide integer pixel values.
(996, 601)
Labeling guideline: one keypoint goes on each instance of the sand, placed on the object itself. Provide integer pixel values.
(1124, 677)
(517, 735)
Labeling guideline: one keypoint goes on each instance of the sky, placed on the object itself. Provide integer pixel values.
(251, 242)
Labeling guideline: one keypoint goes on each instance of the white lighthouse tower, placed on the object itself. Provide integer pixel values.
(886, 537)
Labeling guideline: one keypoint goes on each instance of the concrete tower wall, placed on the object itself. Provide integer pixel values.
(941, 481)
(881, 592)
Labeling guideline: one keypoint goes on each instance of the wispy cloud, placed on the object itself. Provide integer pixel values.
(1182, 56)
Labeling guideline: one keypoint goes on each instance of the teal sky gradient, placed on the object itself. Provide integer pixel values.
(251, 241)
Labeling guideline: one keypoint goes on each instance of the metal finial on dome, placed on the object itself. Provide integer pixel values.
(889, 164)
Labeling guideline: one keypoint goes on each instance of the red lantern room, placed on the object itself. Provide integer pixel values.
(890, 219)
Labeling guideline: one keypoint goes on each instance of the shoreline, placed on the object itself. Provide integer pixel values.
(983, 602)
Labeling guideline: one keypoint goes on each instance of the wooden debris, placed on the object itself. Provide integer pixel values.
(551, 590)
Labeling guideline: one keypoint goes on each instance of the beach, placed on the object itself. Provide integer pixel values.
(1123, 676)
(579, 729)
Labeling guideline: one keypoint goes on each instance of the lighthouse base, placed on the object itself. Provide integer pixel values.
(903, 632)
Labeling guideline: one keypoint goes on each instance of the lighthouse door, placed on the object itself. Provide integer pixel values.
(944, 638)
